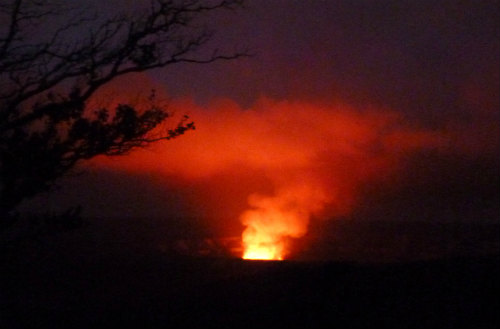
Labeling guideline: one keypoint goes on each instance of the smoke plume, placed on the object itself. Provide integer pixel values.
(310, 160)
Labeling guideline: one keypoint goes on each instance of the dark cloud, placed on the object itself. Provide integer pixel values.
(414, 56)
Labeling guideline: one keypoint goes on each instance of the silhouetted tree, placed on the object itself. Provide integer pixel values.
(49, 71)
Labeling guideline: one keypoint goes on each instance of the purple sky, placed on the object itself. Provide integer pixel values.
(419, 57)
(436, 62)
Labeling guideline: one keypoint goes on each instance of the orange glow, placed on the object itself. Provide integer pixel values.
(263, 251)
(290, 161)
(261, 239)
(272, 220)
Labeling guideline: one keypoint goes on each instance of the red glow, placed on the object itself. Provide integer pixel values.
(314, 159)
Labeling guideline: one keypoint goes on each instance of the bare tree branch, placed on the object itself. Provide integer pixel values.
(46, 126)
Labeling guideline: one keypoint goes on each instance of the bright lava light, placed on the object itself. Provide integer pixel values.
(263, 253)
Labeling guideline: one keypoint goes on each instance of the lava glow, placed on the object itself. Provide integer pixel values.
(262, 238)
(272, 220)
(287, 163)
(261, 244)
(263, 251)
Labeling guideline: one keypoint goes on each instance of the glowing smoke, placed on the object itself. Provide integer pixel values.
(314, 158)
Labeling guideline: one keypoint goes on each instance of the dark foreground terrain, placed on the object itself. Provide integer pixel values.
(158, 291)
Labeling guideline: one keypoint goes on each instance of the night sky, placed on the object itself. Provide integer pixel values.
(385, 110)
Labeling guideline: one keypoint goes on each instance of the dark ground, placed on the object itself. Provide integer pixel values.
(158, 291)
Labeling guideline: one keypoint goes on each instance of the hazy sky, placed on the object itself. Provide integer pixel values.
(413, 84)
(421, 57)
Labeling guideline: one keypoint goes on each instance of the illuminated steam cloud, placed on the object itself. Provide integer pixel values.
(315, 157)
